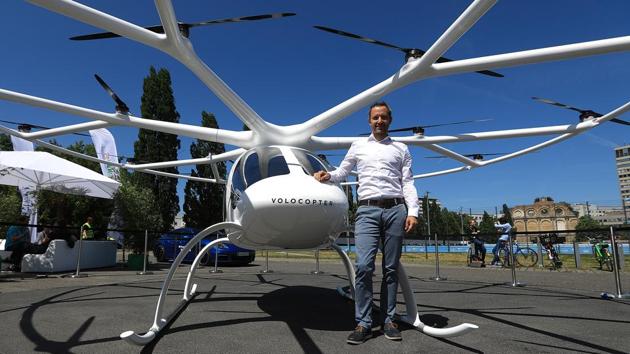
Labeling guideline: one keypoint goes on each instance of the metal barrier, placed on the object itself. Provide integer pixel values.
(266, 270)
(437, 262)
(619, 291)
(514, 282)
(317, 271)
(146, 255)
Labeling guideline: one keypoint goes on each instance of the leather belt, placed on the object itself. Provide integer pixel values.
(382, 203)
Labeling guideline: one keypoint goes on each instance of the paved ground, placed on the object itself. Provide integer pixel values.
(292, 311)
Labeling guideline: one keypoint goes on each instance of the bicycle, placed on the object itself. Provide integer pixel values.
(548, 242)
(523, 256)
(601, 253)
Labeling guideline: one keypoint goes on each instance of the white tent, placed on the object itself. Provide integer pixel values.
(47, 171)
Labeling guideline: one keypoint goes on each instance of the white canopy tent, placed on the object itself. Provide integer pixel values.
(46, 171)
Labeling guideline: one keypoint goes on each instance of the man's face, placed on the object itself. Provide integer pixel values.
(380, 120)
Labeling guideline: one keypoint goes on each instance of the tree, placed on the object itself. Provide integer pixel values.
(507, 214)
(10, 202)
(139, 210)
(158, 103)
(5, 143)
(586, 227)
(486, 227)
(203, 201)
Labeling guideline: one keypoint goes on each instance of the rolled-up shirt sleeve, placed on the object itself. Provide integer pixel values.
(409, 189)
(345, 167)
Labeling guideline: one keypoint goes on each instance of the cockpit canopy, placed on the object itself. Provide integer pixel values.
(264, 162)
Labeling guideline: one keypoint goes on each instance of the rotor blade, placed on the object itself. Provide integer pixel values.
(121, 107)
(616, 120)
(484, 72)
(35, 126)
(185, 26)
(558, 104)
(430, 126)
(467, 155)
(453, 123)
(242, 19)
(361, 38)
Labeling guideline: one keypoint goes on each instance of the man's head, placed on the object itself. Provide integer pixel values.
(23, 219)
(379, 118)
(503, 220)
(89, 219)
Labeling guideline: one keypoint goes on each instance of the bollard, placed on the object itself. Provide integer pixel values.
(576, 255)
(437, 262)
(620, 294)
(317, 271)
(216, 259)
(514, 282)
(541, 256)
(145, 254)
(266, 270)
(78, 271)
(620, 257)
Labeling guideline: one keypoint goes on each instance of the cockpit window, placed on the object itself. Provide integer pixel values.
(263, 163)
(252, 169)
(310, 164)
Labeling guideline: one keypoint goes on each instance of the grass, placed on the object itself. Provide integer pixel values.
(588, 262)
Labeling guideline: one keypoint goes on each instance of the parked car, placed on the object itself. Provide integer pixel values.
(168, 246)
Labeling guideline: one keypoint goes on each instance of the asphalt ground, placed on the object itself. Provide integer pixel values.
(294, 311)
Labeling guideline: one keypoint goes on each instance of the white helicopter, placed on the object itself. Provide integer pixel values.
(272, 201)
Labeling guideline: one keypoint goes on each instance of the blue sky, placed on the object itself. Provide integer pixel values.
(288, 72)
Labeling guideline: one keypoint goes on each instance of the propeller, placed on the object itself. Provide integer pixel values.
(28, 126)
(184, 28)
(409, 52)
(419, 129)
(121, 107)
(476, 157)
(584, 113)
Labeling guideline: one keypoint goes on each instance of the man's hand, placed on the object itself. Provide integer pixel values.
(410, 223)
(321, 176)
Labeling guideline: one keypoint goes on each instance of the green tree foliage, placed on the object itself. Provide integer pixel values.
(586, 227)
(508, 215)
(486, 228)
(158, 103)
(5, 143)
(139, 210)
(203, 202)
(10, 205)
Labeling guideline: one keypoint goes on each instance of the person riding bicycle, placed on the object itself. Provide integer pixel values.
(478, 243)
(505, 229)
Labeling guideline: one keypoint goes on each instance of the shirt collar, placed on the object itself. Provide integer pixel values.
(387, 139)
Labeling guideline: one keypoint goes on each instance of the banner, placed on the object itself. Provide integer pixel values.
(29, 196)
(105, 146)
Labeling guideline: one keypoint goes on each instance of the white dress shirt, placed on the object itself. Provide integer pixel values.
(384, 169)
(505, 230)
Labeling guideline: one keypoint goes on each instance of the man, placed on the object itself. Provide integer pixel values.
(18, 243)
(478, 243)
(87, 233)
(385, 187)
(504, 228)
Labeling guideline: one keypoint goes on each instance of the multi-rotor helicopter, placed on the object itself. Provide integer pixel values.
(272, 201)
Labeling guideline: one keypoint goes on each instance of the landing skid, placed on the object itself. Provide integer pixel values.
(412, 316)
(161, 321)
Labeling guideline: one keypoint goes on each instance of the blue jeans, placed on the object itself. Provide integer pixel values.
(374, 224)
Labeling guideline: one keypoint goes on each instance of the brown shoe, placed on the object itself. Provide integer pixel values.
(359, 335)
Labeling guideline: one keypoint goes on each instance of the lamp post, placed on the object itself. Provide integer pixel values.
(461, 223)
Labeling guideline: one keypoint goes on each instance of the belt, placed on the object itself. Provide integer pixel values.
(382, 203)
